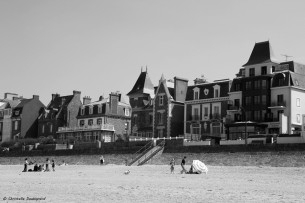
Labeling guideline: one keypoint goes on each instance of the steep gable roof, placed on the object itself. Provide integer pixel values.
(143, 85)
(261, 53)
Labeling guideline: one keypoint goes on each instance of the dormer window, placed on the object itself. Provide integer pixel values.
(196, 93)
(82, 111)
(216, 91)
(99, 108)
(264, 70)
(17, 113)
(91, 110)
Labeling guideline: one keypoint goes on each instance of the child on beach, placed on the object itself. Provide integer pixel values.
(53, 164)
(102, 160)
(183, 165)
(172, 164)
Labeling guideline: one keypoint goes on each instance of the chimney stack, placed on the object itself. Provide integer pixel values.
(86, 100)
(36, 97)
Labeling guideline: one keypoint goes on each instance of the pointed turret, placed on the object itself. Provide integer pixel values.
(143, 85)
(261, 53)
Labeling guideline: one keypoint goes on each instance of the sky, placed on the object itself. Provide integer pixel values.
(99, 46)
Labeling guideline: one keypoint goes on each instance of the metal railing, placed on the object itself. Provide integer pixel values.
(87, 127)
(138, 154)
(151, 153)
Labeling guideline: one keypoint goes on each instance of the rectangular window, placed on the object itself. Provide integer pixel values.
(82, 111)
(160, 132)
(91, 110)
(264, 70)
(160, 118)
(206, 111)
(257, 115)
(248, 115)
(237, 87)
(298, 102)
(248, 101)
(126, 112)
(100, 109)
(16, 125)
(273, 69)
(196, 114)
(51, 128)
(196, 95)
(281, 81)
(264, 99)
(99, 121)
(248, 85)
(264, 84)
(216, 93)
(236, 102)
(298, 118)
(252, 72)
(150, 119)
(257, 84)
(256, 100)
(81, 123)
(161, 100)
(42, 128)
(280, 100)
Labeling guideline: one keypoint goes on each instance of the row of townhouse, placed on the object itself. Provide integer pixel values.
(266, 97)
(65, 118)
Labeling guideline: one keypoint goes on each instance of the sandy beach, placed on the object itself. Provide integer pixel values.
(153, 183)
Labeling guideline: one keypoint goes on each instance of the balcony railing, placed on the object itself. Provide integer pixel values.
(233, 108)
(195, 117)
(278, 104)
(216, 116)
(86, 128)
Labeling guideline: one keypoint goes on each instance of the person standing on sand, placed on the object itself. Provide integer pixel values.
(47, 165)
(182, 165)
(53, 164)
(172, 164)
(25, 165)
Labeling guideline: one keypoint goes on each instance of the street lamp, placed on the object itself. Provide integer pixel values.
(246, 133)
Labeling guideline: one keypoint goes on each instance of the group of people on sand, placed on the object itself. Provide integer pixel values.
(172, 167)
(38, 167)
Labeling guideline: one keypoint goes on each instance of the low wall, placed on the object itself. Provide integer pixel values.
(232, 142)
(290, 140)
(198, 143)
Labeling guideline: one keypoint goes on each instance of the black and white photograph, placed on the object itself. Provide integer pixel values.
(152, 101)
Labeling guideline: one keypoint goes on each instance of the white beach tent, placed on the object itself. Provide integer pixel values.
(199, 167)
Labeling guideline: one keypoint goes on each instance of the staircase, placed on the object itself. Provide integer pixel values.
(147, 154)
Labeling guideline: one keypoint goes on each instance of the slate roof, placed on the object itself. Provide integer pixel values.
(297, 80)
(261, 53)
(57, 102)
(143, 85)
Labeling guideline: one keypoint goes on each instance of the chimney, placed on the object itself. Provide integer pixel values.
(63, 100)
(54, 96)
(101, 98)
(86, 100)
(36, 97)
(76, 94)
(11, 96)
(114, 101)
(180, 86)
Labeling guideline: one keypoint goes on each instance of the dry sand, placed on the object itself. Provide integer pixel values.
(154, 183)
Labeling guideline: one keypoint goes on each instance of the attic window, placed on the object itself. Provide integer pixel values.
(297, 82)
(17, 113)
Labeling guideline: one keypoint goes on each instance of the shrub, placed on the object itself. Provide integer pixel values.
(28, 141)
(8, 143)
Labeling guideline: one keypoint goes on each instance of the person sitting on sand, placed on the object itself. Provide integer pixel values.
(25, 165)
(63, 163)
(183, 165)
(102, 160)
(35, 168)
(172, 164)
